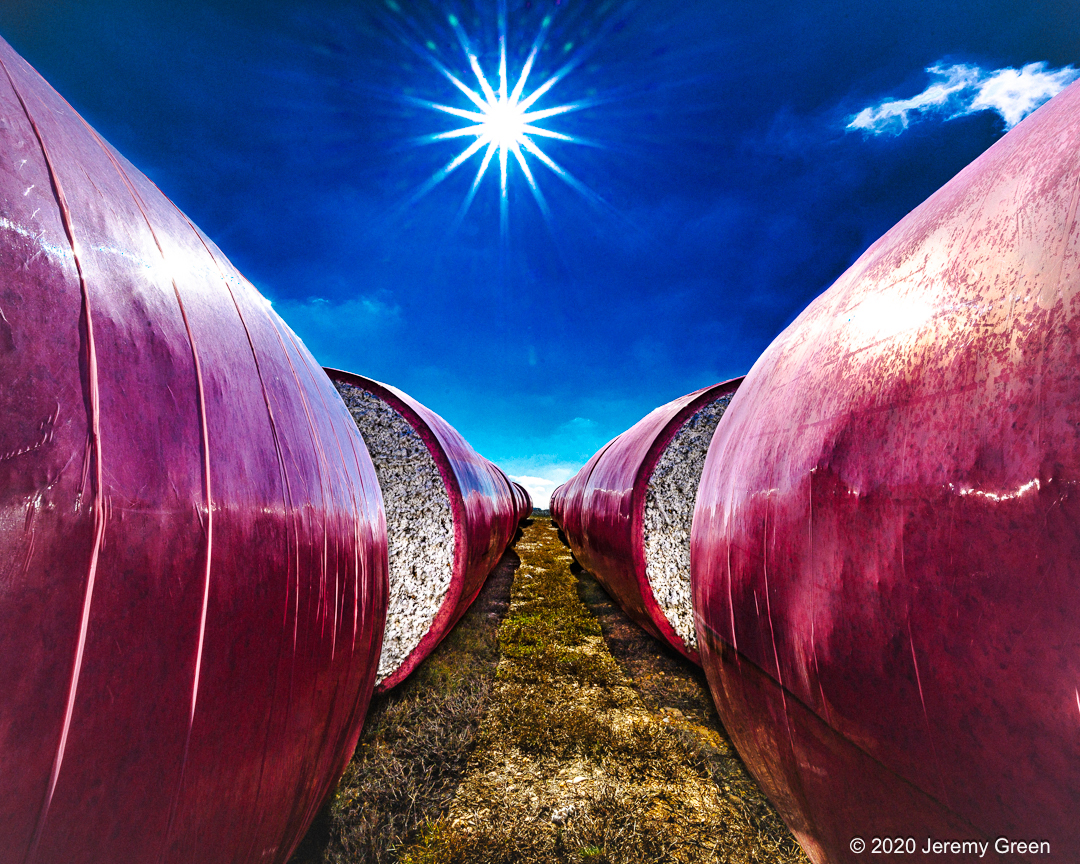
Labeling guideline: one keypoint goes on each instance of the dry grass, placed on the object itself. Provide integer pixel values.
(416, 742)
(574, 763)
(560, 733)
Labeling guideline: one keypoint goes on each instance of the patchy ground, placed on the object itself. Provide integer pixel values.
(588, 742)
(416, 742)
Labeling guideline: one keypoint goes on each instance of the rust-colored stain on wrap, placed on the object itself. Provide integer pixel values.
(886, 545)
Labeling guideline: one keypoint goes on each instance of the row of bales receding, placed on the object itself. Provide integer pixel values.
(199, 548)
(875, 555)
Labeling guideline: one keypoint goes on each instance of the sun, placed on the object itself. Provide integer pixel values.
(502, 122)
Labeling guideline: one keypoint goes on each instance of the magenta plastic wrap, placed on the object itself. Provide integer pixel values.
(192, 550)
(522, 501)
(518, 497)
(886, 546)
(481, 504)
(602, 510)
(555, 505)
(527, 502)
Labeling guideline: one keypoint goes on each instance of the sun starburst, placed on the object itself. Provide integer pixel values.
(503, 121)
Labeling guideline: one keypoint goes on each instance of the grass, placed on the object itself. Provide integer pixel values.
(575, 762)
(416, 742)
(547, 728)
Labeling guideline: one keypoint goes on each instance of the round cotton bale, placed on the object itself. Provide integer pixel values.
(449, 517)
(525, 502)
(886, 548)
(520, 502)
(520, 498)
(555, 506)
(193, 576)
(627, 514)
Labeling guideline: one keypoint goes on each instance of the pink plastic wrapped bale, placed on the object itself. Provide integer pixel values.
(627, 513)
(555, 506)
(449, 513)
(520, 502)
(886, 548)
(192, 552)
(524, 501)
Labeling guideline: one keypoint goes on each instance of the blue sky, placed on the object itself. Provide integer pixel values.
(733, 160)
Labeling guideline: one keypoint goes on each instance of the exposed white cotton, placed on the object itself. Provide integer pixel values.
(669, 514)
(419, 523)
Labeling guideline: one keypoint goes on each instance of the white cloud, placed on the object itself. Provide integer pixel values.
(1015, 94)
(349, 335)
(962, 89)
(542, 480)
(359, 312)
(893, 115)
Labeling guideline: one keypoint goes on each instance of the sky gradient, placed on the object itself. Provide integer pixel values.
(737, 158)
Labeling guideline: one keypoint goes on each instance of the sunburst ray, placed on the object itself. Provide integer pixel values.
(503, 121)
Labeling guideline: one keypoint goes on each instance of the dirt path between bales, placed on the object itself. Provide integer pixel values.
(551, 729)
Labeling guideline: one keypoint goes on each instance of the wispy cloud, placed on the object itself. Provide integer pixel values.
(539, 474)
(962, 89)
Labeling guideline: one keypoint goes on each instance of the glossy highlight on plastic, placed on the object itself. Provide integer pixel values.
(193, 576)
(886, 544)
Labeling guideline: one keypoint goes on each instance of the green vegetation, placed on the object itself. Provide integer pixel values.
(558, 733)
(416, 742)
(571, 765)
